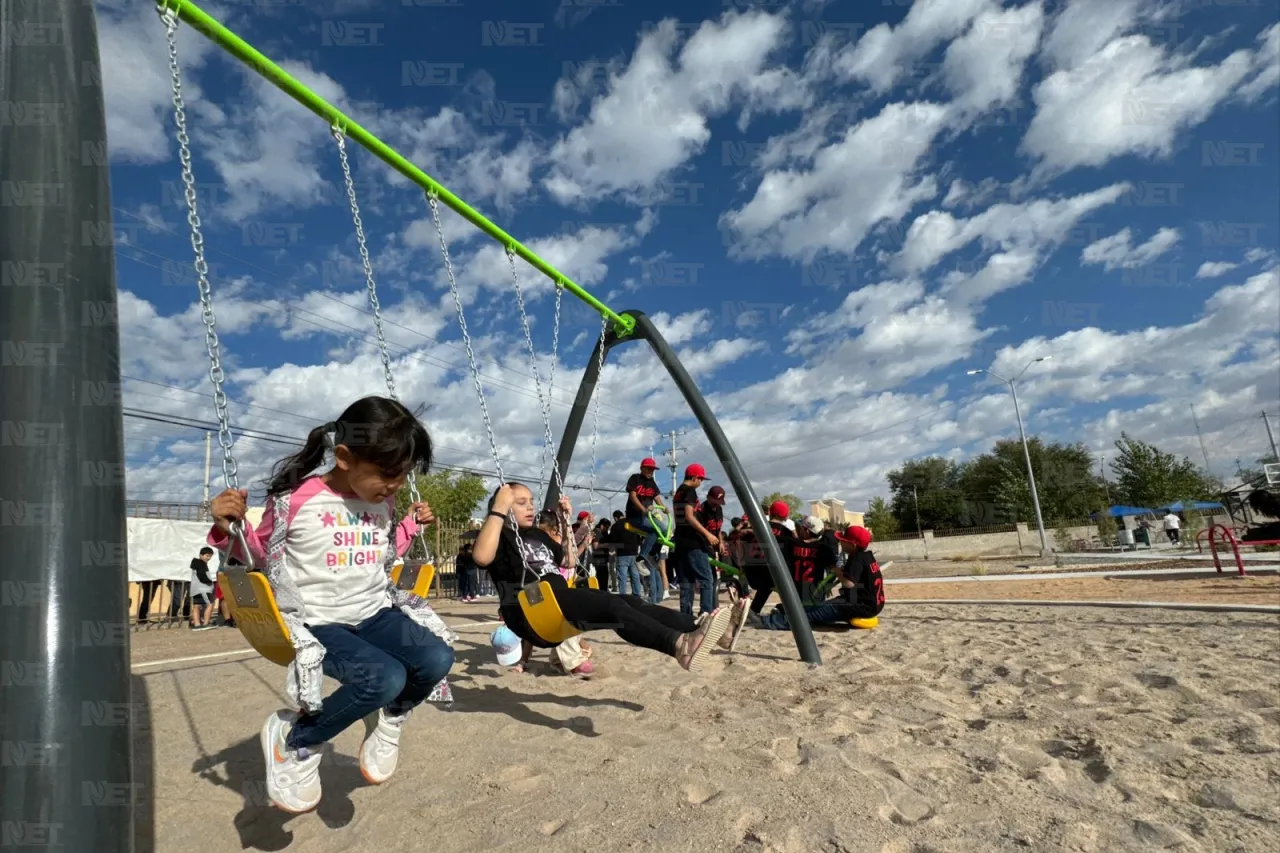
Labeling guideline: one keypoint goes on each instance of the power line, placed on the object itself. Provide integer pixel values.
(386, 321)
(247, 434)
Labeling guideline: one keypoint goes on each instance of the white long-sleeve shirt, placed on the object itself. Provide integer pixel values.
(334, 551)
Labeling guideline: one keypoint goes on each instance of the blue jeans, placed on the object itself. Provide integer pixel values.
(628, 577)
(655, 581)
(837, 611)
(387, 661)
(694, 567)
(645, 525)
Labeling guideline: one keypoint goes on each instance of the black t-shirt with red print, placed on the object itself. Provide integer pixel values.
(810, 562)
(868, 590)
(685, 535)
(712, 517)
(646, 489)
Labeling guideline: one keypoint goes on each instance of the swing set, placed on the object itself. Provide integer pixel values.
(247, 590)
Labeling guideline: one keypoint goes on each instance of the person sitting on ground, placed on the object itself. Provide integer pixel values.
(515, 559)
(642, 494)
(755, 566)
(861, 589)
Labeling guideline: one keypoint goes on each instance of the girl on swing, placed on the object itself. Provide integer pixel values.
(514, 560)
(326, 542)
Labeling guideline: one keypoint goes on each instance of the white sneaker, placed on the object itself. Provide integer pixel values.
(380, 752)
(293, 780)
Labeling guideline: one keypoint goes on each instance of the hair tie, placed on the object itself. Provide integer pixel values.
(331, 435)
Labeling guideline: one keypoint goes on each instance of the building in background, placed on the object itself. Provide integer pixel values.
(833, 513)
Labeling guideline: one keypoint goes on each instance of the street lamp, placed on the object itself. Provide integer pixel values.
(1031, 477)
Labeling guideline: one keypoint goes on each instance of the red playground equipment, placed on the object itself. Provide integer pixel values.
(1228, 535)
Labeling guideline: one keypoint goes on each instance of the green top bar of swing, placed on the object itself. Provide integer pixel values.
(246, 53)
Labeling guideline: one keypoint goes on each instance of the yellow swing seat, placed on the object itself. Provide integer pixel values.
(592, 583)
(253, 606)
(416, 580)
(543, 613)
(865, 624)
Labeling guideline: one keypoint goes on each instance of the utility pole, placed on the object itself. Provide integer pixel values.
(671, 463)
(1271, 437)
(1102, 470)
(1199, 437)
(1045, 550)
(915, 498)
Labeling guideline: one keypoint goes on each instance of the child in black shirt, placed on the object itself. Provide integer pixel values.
(517, 559)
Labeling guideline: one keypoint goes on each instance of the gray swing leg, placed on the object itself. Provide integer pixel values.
(645, 330)
(67, 774)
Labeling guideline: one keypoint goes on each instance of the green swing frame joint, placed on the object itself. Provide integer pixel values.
(191, 14)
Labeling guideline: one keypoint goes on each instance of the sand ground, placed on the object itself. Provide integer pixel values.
(946, 729)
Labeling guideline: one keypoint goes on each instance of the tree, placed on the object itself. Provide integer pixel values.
(1146, 476)
(997, 490)
(932, 483)
(790, 500)
(453, 500)
(880, 519)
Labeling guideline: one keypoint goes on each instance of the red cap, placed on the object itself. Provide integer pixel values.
(780, 509)
(695, 470)
(716, 496)
(648, 463)
(583, 514)
(859, 536)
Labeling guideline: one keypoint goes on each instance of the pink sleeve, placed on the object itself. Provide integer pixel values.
(404, 534)
(257, 539)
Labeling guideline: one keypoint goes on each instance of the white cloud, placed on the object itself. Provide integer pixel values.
(885, 54)
(1084, 27)
(1128, 98)
(1266, 65)
(136, 82)
(654, 116)
(1117, 251)
(983, 67)
(1214, 269)
(1031, 225)
(851, 185)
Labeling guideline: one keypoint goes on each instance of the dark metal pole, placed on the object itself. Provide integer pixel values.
(645, 330)
(66, 775)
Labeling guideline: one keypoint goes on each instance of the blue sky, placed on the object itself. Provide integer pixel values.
(832, 209)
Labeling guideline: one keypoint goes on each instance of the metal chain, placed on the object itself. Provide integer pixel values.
(370, 284)
(551, 380)
(544, 403)
(434, 203)
(466, 336)
(372, 288)
(230, 471)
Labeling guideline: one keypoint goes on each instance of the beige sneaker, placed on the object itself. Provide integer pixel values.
(737, 618)
(380, 752)
(693, 648)
(293, 781)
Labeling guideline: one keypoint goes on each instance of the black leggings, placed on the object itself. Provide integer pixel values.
(761, 580)
(630, 616)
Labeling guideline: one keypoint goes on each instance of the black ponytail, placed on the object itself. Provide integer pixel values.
(377, 430)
